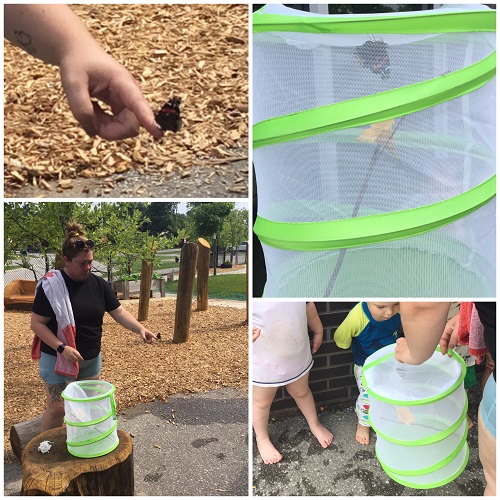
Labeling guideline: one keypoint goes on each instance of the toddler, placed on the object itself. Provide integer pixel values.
(282, 357)
(368, 327)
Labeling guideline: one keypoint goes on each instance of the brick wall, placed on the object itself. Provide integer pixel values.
(331, 378)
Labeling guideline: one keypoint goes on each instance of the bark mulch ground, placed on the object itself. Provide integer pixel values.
(215, 356)
(197, 52)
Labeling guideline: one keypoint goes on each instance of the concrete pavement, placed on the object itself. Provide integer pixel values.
(347, 468)
(194, 445)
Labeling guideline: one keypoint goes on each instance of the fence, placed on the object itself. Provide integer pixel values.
(331, 378)
(37, 263)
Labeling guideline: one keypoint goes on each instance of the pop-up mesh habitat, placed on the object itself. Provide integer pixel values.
(419, 414)
(374, 152)
(90, 418)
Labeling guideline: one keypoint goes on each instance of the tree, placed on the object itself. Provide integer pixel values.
(162, 217)
(234, 230)
(206, 218)
(117, 236)
(39, 226)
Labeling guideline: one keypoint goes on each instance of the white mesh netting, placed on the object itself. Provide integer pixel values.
(420, 159)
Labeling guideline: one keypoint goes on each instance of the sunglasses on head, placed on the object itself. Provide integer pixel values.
(80, 245)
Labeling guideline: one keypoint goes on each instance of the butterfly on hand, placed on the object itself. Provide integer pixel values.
(169, 117)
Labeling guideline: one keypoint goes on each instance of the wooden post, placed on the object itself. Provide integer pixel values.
(203, 268)
(146, 276)
(59, 473)
(162, 288)
(187, 271)
(246, 269)
(126, 290)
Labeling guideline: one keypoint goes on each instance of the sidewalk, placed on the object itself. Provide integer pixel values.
(347, 468)
(195, 445)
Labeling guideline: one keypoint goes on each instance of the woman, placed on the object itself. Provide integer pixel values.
(67, 317)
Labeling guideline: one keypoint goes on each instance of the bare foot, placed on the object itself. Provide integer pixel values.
(322, 434)
(470, 423)
(269, 454)
(363, 434)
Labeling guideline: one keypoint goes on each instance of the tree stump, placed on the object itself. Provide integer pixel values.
(187, 272)
(60, 473)
(203, 268)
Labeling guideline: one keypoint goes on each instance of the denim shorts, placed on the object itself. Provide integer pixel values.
(89, 368)
(488, 406)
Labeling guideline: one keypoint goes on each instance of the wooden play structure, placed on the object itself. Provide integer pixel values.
(19, 294)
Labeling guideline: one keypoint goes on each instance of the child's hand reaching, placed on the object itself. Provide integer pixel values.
(316, 342)
(255, 333)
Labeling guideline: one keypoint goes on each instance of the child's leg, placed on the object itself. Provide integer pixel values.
(261, 405)
(362, 407)
(300, 392)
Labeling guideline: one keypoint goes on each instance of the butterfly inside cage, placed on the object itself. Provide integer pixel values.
(373, 55)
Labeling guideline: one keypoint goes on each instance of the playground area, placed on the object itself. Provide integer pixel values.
(214, 357)
(198, 53)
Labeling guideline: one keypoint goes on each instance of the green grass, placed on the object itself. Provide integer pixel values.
(167, 262)
(223, 286)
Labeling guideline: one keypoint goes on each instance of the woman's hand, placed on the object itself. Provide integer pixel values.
(147, 336)
(55, 34)
(93, 74)
(71, 354)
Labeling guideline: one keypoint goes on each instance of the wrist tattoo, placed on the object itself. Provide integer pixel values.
(24, 40)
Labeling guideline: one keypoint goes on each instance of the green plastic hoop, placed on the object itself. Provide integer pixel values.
(430, 469)
(436, 484)
(376, 107)
(370, 229)
(412, 23)
(417, 402)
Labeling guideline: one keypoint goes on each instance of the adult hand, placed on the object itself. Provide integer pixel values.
(316, 342)
(402, 353)
(71, 354)
(255, 333)
(92, 73)
(147, 336)
(449, 339)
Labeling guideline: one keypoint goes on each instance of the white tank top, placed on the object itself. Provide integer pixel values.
(282, 353)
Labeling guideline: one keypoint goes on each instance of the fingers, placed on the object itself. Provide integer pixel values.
(400, 349)
(130, 108)
(137, 104)
(80, 103)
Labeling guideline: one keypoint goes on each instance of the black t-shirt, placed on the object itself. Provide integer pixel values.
(488, 316)
(90, 299)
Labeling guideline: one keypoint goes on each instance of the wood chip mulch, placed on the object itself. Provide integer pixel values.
(197, 52)
(215, 356)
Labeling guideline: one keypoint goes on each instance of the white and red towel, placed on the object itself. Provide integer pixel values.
(471, 330)
(55, 289)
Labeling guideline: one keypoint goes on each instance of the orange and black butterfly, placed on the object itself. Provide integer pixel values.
(373, 54)
(169, 117)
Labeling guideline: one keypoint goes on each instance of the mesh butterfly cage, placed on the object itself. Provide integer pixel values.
(90, 418)
(419, 414)
(374, 152)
